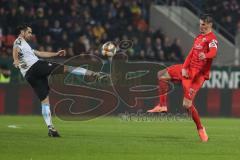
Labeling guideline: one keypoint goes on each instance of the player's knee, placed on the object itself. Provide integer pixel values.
(187, 103)
(45, 100)
(162, 74)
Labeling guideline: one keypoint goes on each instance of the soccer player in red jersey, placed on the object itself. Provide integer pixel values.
(193, 72)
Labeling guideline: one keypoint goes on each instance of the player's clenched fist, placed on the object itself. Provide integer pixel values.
(61, 53)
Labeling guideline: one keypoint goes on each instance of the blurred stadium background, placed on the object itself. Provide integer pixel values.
(161, 30)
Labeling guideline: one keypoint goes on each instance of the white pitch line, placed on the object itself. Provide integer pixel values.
(13, 126)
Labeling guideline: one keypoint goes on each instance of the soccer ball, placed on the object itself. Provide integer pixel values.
(109, 49)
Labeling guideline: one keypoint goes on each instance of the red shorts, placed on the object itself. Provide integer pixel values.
(190, 85)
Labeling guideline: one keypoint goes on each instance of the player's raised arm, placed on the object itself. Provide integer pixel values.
(212, 49)
(49, 54)
(211, 53)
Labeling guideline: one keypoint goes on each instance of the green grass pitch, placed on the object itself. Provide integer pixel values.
(110, 138)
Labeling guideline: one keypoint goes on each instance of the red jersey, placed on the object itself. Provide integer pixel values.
(203, 43)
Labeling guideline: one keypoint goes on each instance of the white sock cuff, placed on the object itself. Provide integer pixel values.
(76, 70)
(45, 106)
(46, 114)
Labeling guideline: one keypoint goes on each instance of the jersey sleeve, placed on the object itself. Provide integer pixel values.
(212, 49)
(17, 44)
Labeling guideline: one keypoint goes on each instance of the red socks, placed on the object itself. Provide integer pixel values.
(163, 89)
(194, 113)
(163, 100)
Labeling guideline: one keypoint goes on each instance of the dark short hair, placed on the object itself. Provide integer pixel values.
(22, 27)
(206, 18)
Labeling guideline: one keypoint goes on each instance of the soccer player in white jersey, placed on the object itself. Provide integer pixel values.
(36, 71)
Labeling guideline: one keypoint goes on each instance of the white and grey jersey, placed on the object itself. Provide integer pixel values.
(26, 55)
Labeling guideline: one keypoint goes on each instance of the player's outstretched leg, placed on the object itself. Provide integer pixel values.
(163, 87)
(98, 76)
(46, 112)
(196, 118)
